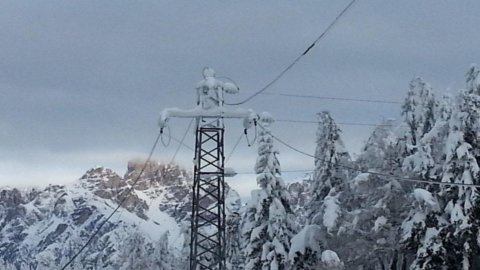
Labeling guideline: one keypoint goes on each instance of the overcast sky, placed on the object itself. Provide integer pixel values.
(82, 82)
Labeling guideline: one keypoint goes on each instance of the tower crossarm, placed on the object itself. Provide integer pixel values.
(248, 115)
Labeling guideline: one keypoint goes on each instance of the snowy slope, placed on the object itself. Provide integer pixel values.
(43, 228)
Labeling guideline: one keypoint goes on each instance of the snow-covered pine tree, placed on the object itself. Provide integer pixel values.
(306, 251)
(427, 161)
(374, 152)
(134, 253)
(474, 232)
(462, 166)
(268, 224)
(249, 222)
(328, 182)
(424, 222)
(329, 177)
(185, 231)
(330, 152)
(419, 112)
(306, 248)
(162, 258)
(233, 248)
(420, 232)
(453, 244)
(374, 206)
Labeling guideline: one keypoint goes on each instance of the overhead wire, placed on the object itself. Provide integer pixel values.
(182, 143)
(401, 178)
(282, 171)
(182, 140)
(296, 60)
(339, 123)
(234, 148)
(166, 144)
(332, 98)
(129, 190)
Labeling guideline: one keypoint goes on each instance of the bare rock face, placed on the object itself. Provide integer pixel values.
(168, 182)
(103, 182)
(155, 174)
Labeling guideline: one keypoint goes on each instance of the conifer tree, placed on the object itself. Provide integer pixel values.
(423, 221)
(329, 177)
(375, 205)
(452, 242)
(162, 258)
(419, 111)
(268, 225)
(134, 252)
(233, 248)
(327, 186)
(329, 153)
(462, 166)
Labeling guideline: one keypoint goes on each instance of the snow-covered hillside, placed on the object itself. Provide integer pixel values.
(43, 228)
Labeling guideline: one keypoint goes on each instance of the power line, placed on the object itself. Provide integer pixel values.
(332, 98)
(234, 147)
(119, 205)
(339, 123)
(329, 27)
(282, 171)
(181, 142)
(401, 178)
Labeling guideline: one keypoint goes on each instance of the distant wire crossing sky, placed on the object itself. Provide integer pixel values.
(281, 74)
(332, 98)
(338, 123)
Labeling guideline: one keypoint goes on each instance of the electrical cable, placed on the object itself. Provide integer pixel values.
(166, 144)
(249, 143)
(401, 178)
(281, 74)
(181, 142)
(282, 171)
(119, 205)
(332, 98)
(339, 123)
(234, 147)
(184, 144)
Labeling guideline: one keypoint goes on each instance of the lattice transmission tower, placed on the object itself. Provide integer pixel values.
(208, 224)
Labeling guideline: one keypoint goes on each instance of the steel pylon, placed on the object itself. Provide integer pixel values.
(207, 241)
(207, 247)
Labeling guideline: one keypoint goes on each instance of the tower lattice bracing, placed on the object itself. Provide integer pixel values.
(208, 207)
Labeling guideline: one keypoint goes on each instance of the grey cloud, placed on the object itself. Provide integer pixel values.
(93, 75)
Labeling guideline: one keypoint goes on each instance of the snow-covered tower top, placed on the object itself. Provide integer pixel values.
(210, 91)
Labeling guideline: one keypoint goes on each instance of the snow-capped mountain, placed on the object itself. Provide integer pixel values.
(43, 228)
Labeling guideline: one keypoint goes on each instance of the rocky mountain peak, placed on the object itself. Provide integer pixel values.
(103, 182)
(155, 175)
